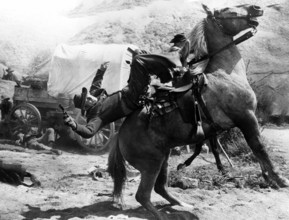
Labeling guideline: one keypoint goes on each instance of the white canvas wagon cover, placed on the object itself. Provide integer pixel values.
(74, 67)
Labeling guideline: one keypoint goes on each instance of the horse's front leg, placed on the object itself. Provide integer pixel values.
(250, 129)
(188, 162)
(161, 185)
(149, 173)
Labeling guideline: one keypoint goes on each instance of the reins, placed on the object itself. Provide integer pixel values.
(237, 41)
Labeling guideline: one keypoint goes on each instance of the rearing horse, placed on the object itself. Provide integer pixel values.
(230, 100)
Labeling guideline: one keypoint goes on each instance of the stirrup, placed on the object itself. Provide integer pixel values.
(200, 135)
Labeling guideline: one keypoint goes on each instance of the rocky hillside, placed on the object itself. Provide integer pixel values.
(150, 24)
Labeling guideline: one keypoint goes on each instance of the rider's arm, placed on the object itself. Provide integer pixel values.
(97, 81)
(88, 130)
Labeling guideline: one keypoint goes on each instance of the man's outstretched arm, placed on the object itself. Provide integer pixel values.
(97, 80)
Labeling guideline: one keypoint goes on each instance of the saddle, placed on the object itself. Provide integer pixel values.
(186, 98)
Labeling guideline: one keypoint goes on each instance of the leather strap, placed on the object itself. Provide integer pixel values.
(239, 40)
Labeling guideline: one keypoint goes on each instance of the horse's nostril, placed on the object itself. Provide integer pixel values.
(256, 10)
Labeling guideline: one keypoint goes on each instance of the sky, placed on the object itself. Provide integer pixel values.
(28, 8)
(42, 17)
(36, 14)
(29, 26)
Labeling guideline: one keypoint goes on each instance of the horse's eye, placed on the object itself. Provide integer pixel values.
(224, 10)
(233, 14)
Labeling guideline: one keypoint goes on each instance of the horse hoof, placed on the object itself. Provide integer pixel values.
(224, 172)
(186, 205)
(283, 182)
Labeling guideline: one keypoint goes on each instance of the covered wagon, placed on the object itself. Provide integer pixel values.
(71, 68)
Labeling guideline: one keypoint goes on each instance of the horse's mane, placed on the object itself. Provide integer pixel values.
(199, 47)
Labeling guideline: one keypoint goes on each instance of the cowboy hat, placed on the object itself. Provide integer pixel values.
(79, 100)
(178, 38)
(9, 70)
(4, 96)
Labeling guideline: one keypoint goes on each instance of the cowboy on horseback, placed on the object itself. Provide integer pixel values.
(124, 102)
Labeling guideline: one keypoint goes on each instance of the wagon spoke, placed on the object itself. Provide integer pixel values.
(33, 120)
(106, 137)
(29, 114)
(106, 130)
(25, 115)
(21, 112)
(92, 141)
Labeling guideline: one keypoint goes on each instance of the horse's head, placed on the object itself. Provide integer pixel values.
(233, 20)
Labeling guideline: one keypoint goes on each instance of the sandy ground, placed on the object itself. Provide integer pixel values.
(68, 192)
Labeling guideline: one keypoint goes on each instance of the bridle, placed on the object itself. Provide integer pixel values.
(253, 11)
(237, 41)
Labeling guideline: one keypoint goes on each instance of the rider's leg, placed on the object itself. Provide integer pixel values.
(122, 103)
(112, 108)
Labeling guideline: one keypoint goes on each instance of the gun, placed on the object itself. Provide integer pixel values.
(65, 114)
(132, 51)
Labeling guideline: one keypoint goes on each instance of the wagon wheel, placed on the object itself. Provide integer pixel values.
(98, 142)
(24, 117)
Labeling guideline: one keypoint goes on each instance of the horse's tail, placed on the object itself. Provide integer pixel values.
(116, 167)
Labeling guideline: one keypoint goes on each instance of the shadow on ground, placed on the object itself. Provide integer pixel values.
(106, 210)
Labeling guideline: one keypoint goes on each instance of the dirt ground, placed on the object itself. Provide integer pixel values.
(68, 192)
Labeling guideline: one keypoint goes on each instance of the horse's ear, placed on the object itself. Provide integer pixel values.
(207, 10)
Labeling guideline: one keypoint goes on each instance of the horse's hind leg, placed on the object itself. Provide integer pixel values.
(250, 129)
(161, 185)
(149, 173)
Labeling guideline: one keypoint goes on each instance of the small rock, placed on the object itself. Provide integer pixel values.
(229, 185)
(186, 183)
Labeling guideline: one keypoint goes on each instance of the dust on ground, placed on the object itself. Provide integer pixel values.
(68, 192)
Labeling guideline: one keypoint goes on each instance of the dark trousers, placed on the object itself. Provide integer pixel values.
(142, 67)
(122, 103)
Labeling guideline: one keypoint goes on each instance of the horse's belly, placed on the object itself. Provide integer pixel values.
(221, 118)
